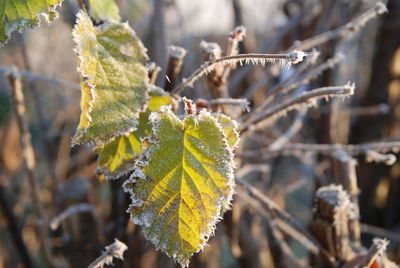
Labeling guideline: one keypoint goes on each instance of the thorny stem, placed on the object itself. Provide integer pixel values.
(327, 149)
(291, 58)
(29, 161)
(305, 79)
(297, 102)
(349, 28)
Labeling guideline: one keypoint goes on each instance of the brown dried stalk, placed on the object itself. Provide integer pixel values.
(348, 29)
(256, 59)
(29, 161)
(307, 98)
(175, 61)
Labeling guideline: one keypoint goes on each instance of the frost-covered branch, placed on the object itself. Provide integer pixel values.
(303, 80)
(115, 250)
(350, 28)
(256, 59)
(307, 98)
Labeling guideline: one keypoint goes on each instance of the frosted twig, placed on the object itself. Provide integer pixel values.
(78, 208)
(34, 76)
(350, 28)
(303, 80)
(243, 103)
(115, 250)
(377, 248)
(327, 149)
(256, 59)
(307, 99)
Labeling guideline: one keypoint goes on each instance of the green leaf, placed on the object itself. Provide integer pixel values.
(19, 14)
(104, 10)
(117, 157)
(184, 184)
(114, 80)
(230, 129)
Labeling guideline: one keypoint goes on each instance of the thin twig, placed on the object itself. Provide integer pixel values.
(77, 208)
(115, 250)
(290, 132)
(378, 231)
(29, 161)
(303, 80)
(272, 208)
(256, 59)
(349, 28)
(34, 76)
(307, 98)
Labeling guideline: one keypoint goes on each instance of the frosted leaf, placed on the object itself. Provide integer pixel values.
(114, 80)
(117, 157)
(15, 15)
(189, 182)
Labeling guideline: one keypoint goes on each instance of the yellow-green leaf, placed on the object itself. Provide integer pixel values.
(117, 157)
(184, 184)
(114, 79)
(18, 14)
(104, 10)
(230, 129)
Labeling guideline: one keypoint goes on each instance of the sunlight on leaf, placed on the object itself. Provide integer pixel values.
(16, 15)
(117, 157)
(229, 126)
(185, 183)
(114, 80)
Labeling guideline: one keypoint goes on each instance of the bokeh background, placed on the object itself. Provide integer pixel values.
(67, 176)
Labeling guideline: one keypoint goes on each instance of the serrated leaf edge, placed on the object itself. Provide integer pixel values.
(86, 79)
(20, 24)
(142, 162)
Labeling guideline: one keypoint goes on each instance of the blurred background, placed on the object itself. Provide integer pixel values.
(67, 176)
